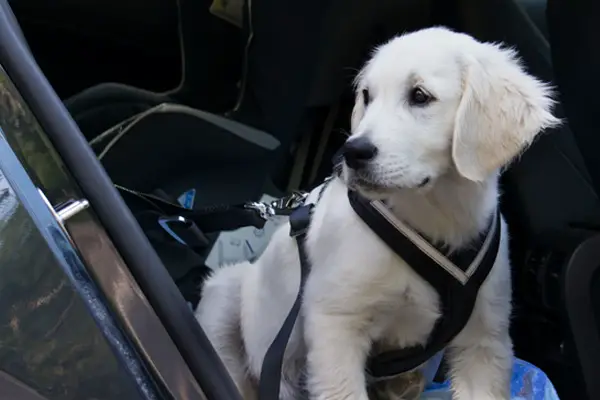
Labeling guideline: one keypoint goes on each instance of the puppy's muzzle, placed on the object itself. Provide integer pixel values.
(358, 152)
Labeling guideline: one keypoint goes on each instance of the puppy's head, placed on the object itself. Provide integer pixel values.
(433, 102)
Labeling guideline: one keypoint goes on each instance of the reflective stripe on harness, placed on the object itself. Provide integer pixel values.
(456, 277)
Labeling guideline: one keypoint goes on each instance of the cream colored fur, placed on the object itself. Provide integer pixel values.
(485, 111)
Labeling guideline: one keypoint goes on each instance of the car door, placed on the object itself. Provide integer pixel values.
(142, 338)
(56, 332)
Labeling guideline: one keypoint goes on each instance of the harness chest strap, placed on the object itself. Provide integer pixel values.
(457, 279)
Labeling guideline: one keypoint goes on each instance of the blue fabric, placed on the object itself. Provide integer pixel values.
(429, 370)
(527, 383)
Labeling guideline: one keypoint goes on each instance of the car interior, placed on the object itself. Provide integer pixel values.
(173, 96)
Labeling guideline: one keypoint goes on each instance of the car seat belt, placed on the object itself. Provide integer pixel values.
(302, 154)
(300, 158)
(323, 141)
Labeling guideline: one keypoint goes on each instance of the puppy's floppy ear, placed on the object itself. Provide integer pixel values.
(501, 111)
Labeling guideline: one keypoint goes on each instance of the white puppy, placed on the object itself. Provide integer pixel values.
(437, 114)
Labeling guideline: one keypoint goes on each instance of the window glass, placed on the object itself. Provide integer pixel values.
(50, 345)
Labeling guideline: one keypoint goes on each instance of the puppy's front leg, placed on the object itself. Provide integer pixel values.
(481, 356)
(337, 350)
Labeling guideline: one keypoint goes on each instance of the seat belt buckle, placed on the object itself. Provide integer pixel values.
(194, 237)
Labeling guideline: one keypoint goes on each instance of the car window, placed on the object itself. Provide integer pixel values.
(31, 146)
(51, 346)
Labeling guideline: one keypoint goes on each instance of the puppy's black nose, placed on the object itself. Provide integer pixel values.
(357, 152)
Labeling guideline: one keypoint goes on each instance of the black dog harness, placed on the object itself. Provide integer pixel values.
(456, 276)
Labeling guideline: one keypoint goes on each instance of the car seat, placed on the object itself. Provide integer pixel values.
(290, 74)
(554, 165)
(574, 31)
(104, 109)
(549, 199)
(210, 52)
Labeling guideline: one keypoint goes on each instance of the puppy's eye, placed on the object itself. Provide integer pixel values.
(419, 97)
(366, 97)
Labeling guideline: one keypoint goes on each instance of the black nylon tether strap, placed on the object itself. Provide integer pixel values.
(214, 218)
(270, 375)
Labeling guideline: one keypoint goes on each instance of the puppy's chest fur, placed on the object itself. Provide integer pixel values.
(354, 273)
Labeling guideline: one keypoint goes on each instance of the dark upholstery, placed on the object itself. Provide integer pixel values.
(211, 59)
(550, 198)
(299, 58)
(574, 30)
(177, 148)
(553, 167)
(101, 107)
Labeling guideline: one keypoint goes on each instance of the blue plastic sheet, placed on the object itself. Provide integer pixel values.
(527, 383)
